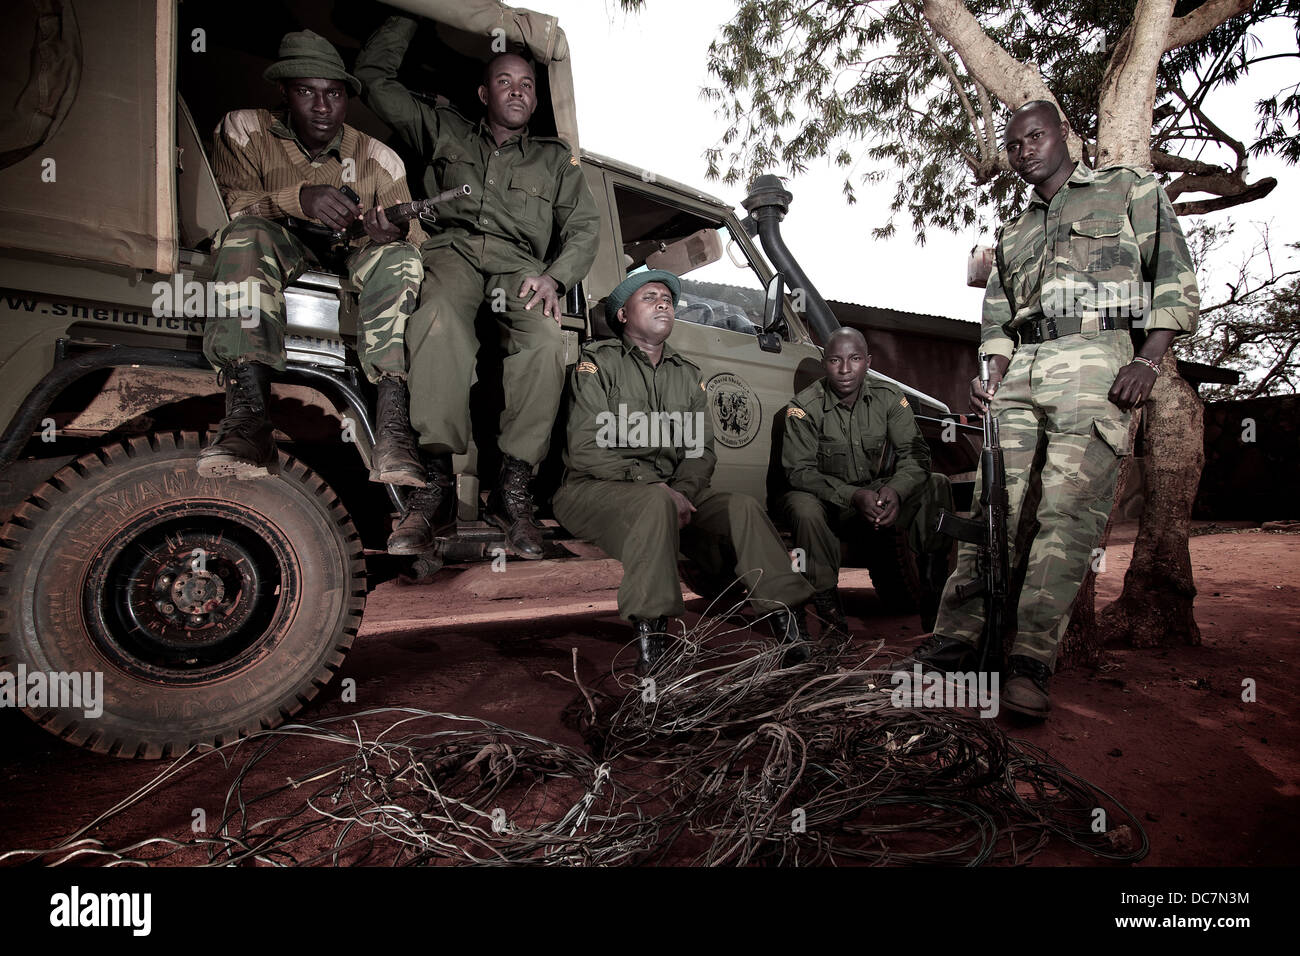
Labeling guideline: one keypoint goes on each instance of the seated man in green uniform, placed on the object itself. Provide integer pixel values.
(836, 431)
(273, 169)
(527, 232)
(637, 468)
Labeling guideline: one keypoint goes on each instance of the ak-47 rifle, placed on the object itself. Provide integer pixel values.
(990, 536)
(338, 239)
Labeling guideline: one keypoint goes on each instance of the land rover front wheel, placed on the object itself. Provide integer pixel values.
(212, 608)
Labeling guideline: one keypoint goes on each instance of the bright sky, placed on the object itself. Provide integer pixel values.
(630, 67)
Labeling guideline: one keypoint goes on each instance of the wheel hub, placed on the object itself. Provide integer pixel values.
(187, 596)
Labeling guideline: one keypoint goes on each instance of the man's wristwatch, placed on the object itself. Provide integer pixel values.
(1154, 366)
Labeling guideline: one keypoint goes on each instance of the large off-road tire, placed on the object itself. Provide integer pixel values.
(213, 607)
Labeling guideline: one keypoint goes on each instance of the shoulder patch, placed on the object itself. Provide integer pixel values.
(388, 160)
(903, 401)
(240, 125)
(587, 367)
(573, 161)
(794, 411)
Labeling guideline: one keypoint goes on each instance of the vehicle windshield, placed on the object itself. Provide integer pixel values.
(721, 287)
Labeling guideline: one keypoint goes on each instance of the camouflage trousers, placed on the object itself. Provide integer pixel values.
(637, 524)
(261, 255)
(1051, 408)
(818, 526)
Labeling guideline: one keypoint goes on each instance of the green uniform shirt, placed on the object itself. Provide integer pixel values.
(1108, 243)
(526, 193)
(831, 451)
(612, 434)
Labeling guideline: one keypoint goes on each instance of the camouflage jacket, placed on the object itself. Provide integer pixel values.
(831, 451)
(633, 421)
(529, 194)
(1108, 243)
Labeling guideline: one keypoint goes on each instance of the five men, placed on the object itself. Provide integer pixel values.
(1092, 254)
(276, 169)
(492, 246)
(637, 468)
(1095, 253)
(838, 432)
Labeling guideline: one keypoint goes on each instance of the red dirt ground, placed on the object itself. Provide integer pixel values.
(1214, 779)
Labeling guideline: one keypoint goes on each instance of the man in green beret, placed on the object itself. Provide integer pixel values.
(637, 468)
(837, 433)
(275, 172)
(527, 232)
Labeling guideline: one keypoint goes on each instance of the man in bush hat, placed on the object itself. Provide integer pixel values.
(276, 171)
(637, 468)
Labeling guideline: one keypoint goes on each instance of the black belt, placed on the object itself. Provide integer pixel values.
(1042, 330)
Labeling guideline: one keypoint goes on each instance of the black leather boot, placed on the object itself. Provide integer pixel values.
(789, 627)
(243, 447)
(510, 508)
(944, 654)
(652, 640)
(430, 511)
(828, 608)
(395, 458)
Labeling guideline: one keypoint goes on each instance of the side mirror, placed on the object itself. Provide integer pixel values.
(769, 339)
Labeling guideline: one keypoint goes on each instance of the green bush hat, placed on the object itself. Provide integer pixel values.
(635, 281)
(308, 55)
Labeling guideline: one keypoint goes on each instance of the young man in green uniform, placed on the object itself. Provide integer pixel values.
(637, 468)
(1094, 254)
(271, 168)
(526, 233)
(837, 432)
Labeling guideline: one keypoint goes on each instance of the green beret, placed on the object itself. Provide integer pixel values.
(636, 280)
(308, 55)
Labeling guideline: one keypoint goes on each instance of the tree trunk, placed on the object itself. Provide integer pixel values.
(1155, 607)
(1128, 88)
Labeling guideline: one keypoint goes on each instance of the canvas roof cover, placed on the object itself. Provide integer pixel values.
(93, 89)
(94, 180)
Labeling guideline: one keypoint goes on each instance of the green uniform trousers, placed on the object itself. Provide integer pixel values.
(259, 258)
(818, 526)
(1054, 394)
(442, 346)
(637, 524)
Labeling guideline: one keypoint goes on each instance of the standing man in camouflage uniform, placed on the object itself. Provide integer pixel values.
(637, 468)
(272, 170)
(1093, 254)
(527, 232)
(837, 431)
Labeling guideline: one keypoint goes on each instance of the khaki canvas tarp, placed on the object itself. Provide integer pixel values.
(99, 183)
(100, 187)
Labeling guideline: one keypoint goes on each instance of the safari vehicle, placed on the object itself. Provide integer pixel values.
(215, 607)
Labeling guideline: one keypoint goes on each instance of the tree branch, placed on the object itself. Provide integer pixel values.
(1012, 82)
(1184, 30)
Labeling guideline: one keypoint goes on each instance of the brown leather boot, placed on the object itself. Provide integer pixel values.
(1025, 691)
(510, 508)
(430, 511)
(243, 447)
(395, 457)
